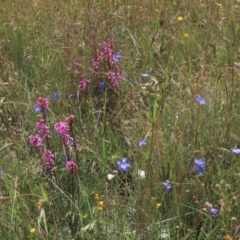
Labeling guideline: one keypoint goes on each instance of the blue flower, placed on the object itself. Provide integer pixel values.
(235, 150)
(73, 141)
(213, 212)
(201, 100)
(199, 167)
(117, 56)
(141, 142)
(123, 165)
(167, 186)
(64, 158)
(1, 171)
(102, 85)
(145, 74)
(37, 109)
(70, 96)
(55, 96)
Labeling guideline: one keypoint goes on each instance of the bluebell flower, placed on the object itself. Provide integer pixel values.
(213, 212)
(145, 74)
(64, 158)
(141, 142)
(102, 85)
(167, 186)
(1, 171)
(37, 109)
(201, 100)
(199, 167)
(117, 56)
(235, 150)
(55, 96)
(123, 165)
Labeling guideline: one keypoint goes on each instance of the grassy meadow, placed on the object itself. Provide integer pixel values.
(119, 120)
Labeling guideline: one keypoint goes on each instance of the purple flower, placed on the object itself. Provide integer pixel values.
(199, 167)
(42, 105)
(64, 158)
(35, 140)
(102, 85)
(167, 186)
(213, 212)
(43, 130)
(72, 141)
(70, 96)
(141, 142)
(1, 171)
(49, 159)
(145, 74)
(117, 56)
(55, 96)
(235, 150)
(61, 128)
(71, 166)
(123, 165)
(201, 100)
(69, 119)
(83, 84)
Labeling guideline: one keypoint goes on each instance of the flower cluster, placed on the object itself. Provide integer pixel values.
(49, 159)
(42, 105)
(123, 165)
(71, 166)
(43, 129)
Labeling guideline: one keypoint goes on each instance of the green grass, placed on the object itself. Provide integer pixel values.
(40, 43)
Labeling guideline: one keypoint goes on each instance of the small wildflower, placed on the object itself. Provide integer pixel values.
(55, 96)
(201, 100)
(32, 230)
(153, 198)
(167, 186)
(83, 84)
(61, 128)
(64, 158)
(1, 171)
(85, 216)
(35, 140)
(42, 105)
(110, 177)
(141, 142)
(235, 150)
(227, 237)
(199, 167)
(71, 166)
(49, 159)
(123, 165)
(141, 174)
(180, 18)
(116, 57)
(69, 119)
(186, 35)
(100, 205)
(102, 85)
(70, 96)
(219, 4)
(145, 74)
(158, 205)
(213, 212)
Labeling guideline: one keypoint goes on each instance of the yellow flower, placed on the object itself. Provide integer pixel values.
(186, 35)
(227, 237)
(158, 205)
(219, 5)
(153, 198)
(100, 205)
(180, 18)
(85, 216)
(32, 230)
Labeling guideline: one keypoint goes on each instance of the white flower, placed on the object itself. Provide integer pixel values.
(110, 176)
(141, 174)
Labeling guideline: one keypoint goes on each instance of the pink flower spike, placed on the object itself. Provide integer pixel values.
(35, 140)
(61, 128)
(69, 119)
(71, 166)
(49, 159)
(83, 84)
(42, 104)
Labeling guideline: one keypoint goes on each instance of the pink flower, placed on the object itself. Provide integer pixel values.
(42, 105)
(49, 159)
(61, 128)
(71, 166)
(35, 140)
(83, 84)
(43, 129)
(69, 119)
